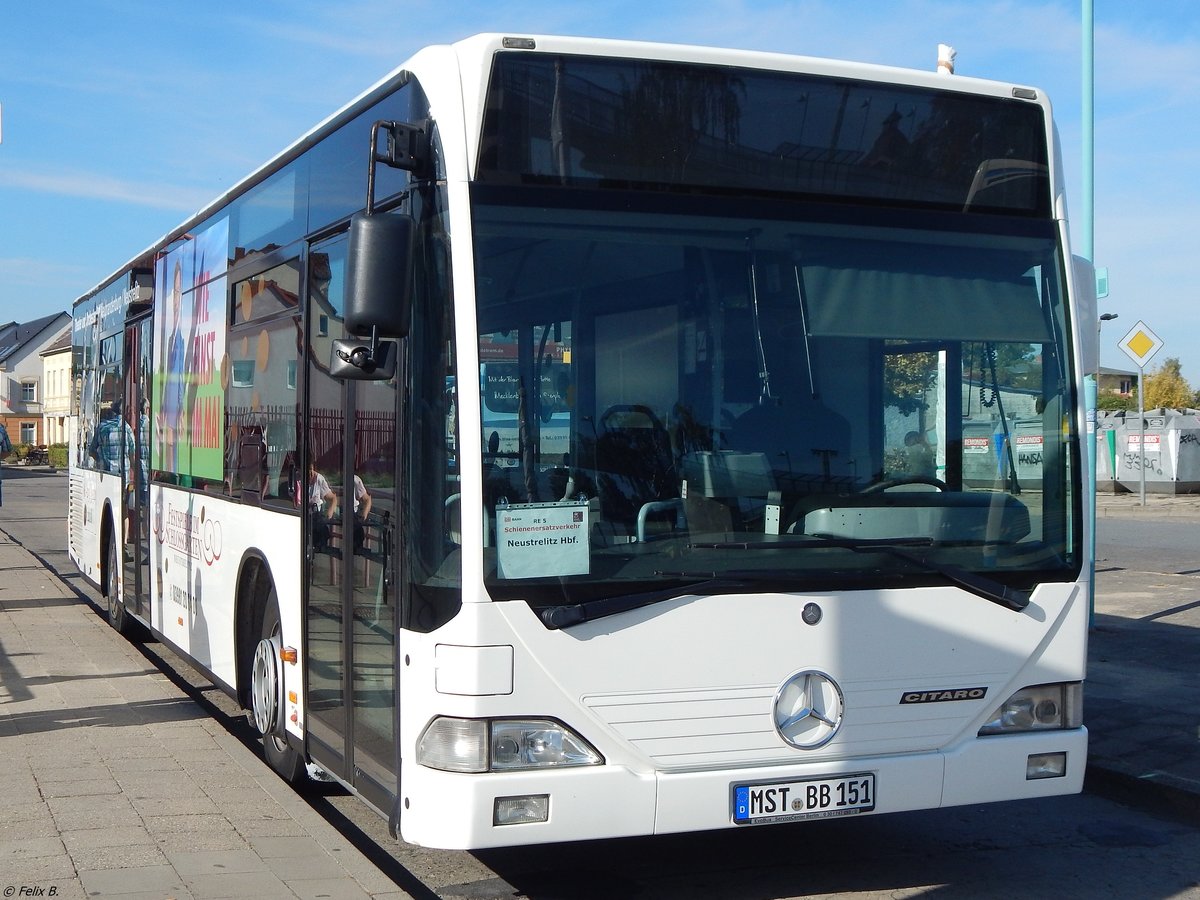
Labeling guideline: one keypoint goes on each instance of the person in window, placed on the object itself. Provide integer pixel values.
(113, 445)
(143, 448)
(362, 509)
(920, 459)
(322, 506)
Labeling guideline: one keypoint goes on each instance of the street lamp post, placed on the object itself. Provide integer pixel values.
(1087, 15)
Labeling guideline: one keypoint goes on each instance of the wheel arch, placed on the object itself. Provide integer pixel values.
(254, 584)
(106, 534)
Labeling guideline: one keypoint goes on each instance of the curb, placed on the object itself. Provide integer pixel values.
(1156, 792)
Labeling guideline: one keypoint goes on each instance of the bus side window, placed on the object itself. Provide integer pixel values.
(263, 392)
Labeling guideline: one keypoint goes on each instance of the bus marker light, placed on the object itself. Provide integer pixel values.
(521, 810)
(292, 697)
(289, 655)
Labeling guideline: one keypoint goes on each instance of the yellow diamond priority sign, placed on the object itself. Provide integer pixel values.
(1141, 344)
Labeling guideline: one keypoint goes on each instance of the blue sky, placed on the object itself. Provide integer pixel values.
(123, 117)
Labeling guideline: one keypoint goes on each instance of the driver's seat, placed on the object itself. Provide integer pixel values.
(805, 439)
(634, 463)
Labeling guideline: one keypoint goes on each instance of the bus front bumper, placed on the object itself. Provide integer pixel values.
(452, 811)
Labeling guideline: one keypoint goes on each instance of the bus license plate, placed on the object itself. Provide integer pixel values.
(788, 801)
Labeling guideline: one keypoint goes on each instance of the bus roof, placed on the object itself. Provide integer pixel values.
(471, 58)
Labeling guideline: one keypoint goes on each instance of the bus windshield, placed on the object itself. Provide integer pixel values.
(769, 392)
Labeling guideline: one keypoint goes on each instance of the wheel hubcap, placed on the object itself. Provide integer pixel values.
(265, 685)
(114, 598)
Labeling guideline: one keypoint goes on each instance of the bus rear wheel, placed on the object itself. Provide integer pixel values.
(266, 697)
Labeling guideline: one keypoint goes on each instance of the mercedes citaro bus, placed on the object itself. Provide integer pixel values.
(753, 543)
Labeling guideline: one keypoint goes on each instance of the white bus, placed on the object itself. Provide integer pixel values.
(749, 580)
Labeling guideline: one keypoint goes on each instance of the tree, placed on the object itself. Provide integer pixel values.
(1112, 402)
(1166, 387)
(906, 379)
(674, 117)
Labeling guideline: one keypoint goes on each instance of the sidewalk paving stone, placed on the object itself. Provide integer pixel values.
(116, 784)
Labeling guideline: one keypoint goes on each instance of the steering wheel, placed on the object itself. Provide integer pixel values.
(889, 483)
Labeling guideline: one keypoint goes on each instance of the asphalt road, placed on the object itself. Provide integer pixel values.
(1084, 846)
(1164, 545)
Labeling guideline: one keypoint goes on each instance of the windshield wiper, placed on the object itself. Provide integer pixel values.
(569, 614)
(812, 541)
(979, 585)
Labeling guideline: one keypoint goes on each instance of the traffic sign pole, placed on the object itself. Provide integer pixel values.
(1142, 438)
(1140, 344)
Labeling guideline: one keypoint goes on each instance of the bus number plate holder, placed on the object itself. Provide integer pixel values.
(815, 798)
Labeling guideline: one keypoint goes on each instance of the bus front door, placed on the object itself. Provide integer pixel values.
(350, 540)
(136, 474)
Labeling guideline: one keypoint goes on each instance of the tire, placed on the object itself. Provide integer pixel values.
(117, 617)
(266, 698)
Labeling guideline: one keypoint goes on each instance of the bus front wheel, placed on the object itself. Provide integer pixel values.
(266, 697)
(117, 617)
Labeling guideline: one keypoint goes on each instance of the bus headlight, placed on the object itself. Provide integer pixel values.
(1045, 707)
(538, 743)
(502, 745)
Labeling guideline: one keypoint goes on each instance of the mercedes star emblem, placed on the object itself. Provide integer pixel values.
(808, 709)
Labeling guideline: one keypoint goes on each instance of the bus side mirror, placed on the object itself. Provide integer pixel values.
(1087, 313)
(379, 274)
(378, 295)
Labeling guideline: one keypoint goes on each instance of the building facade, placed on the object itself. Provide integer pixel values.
(56, 388)
(1116, 381)
(22, 388)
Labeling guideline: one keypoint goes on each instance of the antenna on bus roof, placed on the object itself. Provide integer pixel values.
(945, 63)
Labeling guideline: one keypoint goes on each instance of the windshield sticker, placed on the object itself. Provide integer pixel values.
(536, 540)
